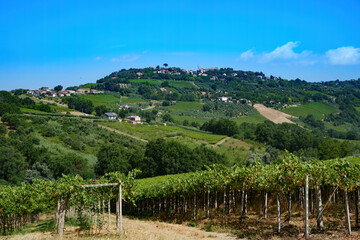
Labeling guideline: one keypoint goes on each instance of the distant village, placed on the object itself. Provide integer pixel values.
(48, 92)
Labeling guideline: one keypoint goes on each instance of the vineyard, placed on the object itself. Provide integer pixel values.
(217, 193)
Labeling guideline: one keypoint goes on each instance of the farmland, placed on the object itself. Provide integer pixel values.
(102, 99)
(253, 118)
(132, 100)
(317, 109)
(151, 132)
(185, 106)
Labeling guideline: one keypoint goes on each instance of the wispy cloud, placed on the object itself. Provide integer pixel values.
(127, 58)
(98, 58)
(246, 55)
(344, 56)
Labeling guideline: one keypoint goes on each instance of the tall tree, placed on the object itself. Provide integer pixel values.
(58, 88)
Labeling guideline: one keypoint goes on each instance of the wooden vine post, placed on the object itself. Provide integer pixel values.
(306, 205)
(347, 214)
(118, 203)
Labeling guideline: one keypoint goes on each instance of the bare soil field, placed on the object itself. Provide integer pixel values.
(273, 115)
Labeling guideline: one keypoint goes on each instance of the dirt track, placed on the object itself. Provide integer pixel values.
(273, 115)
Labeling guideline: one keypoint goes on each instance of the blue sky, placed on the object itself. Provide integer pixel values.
(45, 43)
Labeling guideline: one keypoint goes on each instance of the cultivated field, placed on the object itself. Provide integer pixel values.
(102, 99)
(315, 108)
(185, 106)
(151, 132)
(253, 118)
(132, 100)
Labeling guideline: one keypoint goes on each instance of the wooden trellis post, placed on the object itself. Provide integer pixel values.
(118, 203)
(306, 207)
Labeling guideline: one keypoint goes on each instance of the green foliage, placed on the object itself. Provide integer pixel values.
(101, 109)
(167, 118)
(3, 130)
(8, 108)
(12, 165)
(38, 171)
(58, 88)
(221, 126)
(330, 149)
(114, 157)
(13, 121)
(169, 157)
(79, 103)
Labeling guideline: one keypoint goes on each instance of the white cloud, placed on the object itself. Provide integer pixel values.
(344, 56)
(284, 52)
(246, 55)
(98, 58)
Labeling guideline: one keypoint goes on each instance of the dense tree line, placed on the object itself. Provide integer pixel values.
(284, 136)
(79, 103)
(160, 157)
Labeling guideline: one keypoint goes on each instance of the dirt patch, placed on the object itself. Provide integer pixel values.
(78, 113)
(221, 141)
(273, 115)
(133, 230)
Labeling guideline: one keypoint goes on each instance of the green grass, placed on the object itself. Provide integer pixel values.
(317, 109)
(102, 99)
(254, 118)
(185, 106)
(151, 132)
(132, 100)
(29, 110)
